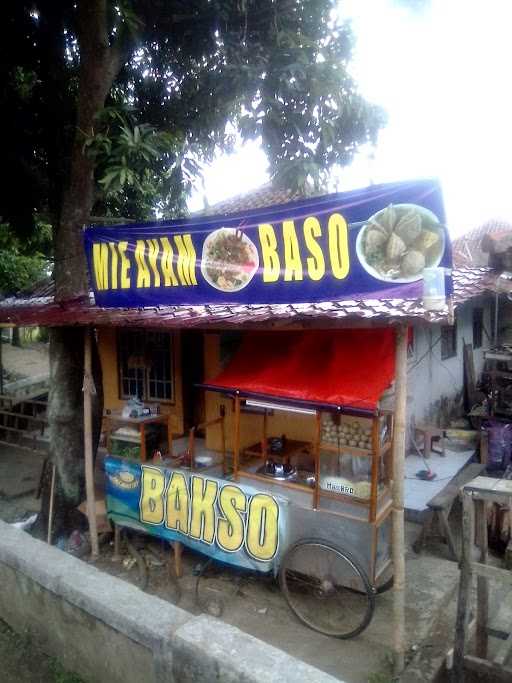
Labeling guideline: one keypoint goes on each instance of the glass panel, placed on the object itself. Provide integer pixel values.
(160, 370)
(346, 467)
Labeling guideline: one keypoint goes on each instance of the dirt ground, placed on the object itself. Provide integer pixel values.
(29, 360)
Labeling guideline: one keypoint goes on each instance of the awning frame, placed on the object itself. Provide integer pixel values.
(284, 400)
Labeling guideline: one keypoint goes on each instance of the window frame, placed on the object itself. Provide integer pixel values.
(146, 376)
(451, 352)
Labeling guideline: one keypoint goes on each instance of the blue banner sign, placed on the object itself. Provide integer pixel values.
(366, 244)
(230, 522)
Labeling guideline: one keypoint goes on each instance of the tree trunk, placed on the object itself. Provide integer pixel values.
(99, 64)
(65, 411)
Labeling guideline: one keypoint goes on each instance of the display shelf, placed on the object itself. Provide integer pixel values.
(116, 420)
(333, 449)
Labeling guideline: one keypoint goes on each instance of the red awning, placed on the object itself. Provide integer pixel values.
(331, 368)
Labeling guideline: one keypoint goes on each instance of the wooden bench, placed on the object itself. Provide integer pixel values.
(439, 508)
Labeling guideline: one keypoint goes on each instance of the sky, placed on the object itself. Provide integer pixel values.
(443, 77)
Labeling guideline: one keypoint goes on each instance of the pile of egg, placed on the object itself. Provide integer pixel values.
(350, 433)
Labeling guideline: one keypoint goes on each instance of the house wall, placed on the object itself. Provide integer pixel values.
(435, 386)
(107, 345)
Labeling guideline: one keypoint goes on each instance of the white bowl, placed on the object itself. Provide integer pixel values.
(398, 280)
(248, 273)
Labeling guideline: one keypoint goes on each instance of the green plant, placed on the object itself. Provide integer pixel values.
(61, 675)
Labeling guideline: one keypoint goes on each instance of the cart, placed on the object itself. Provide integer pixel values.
(316, 515)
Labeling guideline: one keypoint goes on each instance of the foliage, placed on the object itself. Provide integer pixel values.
(22, 263)
(62, 675)
(138, 167)
(194, 74)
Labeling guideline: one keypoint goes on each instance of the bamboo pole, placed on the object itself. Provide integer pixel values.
(372, 515)
(89, 389)
(398, 543)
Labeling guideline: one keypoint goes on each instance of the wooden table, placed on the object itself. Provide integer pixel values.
(439, 508)
(115, 420)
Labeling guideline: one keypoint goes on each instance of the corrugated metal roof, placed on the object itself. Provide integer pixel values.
(468, 283)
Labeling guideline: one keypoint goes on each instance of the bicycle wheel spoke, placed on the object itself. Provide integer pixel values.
(315, 574)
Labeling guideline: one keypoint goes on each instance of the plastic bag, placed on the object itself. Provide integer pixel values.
(500, 444)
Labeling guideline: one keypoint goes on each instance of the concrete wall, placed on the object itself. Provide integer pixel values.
(434, 381)
(107, 630)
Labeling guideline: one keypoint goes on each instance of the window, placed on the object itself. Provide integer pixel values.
(448, 341)
(145, 365)
(478, 327)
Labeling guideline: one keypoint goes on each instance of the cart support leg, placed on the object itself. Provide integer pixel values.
(398, 550)
(117, 543)
(178, 568)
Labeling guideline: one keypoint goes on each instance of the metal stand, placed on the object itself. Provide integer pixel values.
(476, 496)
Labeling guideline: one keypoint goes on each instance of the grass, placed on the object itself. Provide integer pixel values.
(18, 649)
(385, 675)
(61, 675)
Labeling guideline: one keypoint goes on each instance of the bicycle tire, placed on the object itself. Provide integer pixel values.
(317, 545)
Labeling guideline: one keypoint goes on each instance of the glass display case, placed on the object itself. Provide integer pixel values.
(355, 461)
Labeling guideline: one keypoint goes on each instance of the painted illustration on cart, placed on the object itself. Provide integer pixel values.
(228, 521)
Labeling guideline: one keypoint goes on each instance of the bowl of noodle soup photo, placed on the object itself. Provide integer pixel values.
(398, 242)
(229, 260)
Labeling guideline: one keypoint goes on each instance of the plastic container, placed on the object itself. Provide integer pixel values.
(434, 295)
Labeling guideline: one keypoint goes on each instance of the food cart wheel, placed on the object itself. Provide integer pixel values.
(326, 588)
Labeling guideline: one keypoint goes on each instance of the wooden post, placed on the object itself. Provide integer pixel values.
(398, 536)
(264, 444)
(169, 436)
(236, 440)
(117, 543)
(465, 580)
(177, 547)
(143, 454)
(482, 611)
(223, 439)
(318, 436)
(89, 389)
(192, 448)
(375, 469)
